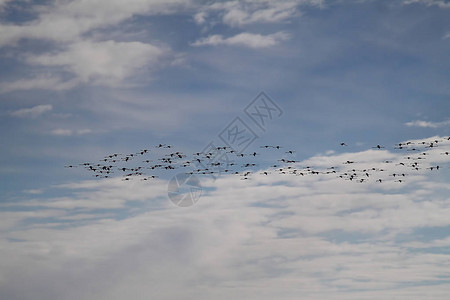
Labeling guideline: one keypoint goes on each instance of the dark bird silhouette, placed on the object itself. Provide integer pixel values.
(130, 168)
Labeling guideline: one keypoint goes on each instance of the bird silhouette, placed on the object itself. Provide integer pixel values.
(216, 161)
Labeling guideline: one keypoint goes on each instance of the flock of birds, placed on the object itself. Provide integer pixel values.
(147, 164)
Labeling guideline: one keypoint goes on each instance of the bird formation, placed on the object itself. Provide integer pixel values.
(148, 164)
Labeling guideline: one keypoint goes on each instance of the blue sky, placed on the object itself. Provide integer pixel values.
(83, 79)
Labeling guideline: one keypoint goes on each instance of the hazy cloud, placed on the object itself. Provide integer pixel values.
(32, 112)
(41, 82)
(69, 132)
(439, 3)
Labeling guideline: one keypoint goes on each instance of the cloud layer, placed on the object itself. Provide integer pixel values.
(272, 236)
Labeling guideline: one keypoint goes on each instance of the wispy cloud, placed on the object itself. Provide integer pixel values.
(439, 3)
(34, 191)
(241, 13)
(427, 124)
(70, 132)
(107, 62)
(68, 21)
(32, 112)
(40, 82)
(100, 61)
(244, 39)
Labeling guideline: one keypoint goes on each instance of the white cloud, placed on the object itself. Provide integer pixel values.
(111, 62)
(68, 20)
(107, 62)
(275, 12)
(199, 18)
(62, 132)
(427, 124)
(40, 82)
(32, 112)
(241, 13)
(265, 238)
(83, 131)
(95, 62)
(245, 39)
(439, 3)
(34, 191)
(70, 132)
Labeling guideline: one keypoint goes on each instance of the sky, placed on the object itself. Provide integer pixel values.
(80, 80)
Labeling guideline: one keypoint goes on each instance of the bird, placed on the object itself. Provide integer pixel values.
(210, 163)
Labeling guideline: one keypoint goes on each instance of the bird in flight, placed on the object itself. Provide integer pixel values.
(232, 162)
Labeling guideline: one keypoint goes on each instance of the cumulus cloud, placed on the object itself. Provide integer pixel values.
(244, 39)
(32, 112)
(427, 124)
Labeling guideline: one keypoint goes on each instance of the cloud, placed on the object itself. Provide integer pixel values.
(107, 62)
(261, 239)
(68, 20)
(81, 59)
(439, 3)
(32, 112)
(70, 132)
(101, 61)
(199, 18)
(245, 39)
(40, 82)
(241, 13)
(97, 63)
(62, 132)
(3, 3)
(280, 11)
(427, 124)
(34, 191)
